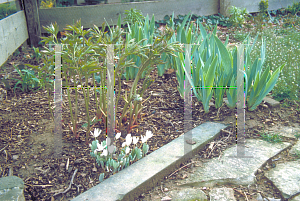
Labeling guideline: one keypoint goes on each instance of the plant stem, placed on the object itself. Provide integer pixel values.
(48, 97)
(86, 100)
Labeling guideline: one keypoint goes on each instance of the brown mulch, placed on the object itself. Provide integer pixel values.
(26, 132)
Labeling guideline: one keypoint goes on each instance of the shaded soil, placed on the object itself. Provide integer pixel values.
(26, 132)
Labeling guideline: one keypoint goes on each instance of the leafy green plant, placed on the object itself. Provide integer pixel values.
(294, 9)
(297, 135)
(291, 21)
(282, 49)
(45, 72)
(138, 32)
(7, 9)
(47, 4)
(36, 55)
(116, 162)
(45, 76)
(205, 64)
(283, 95)
(260, 18)
(208, 21)
(212, 67)
(134, 16)
(257, 85)
(78, 57)
(28, 79)
(93, 2)
(153, 52)
(240, 35)
(273, 138)
(186, 33)
(64, 3)
(237, 16)
(263, 6)
(83, 55)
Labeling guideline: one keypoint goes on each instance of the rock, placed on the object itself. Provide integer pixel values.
(259, 198)
(271, 102)
(15, 157)
(286, 176)
(12, 188)
(222, 194)
(188, 194)
(166, 198)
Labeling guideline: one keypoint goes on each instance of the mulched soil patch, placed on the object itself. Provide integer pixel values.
(26, 132)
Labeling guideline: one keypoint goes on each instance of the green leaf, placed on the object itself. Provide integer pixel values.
(152, 24)
(226, 59)
(101, 177)
(139, 154)
(180, 28)
(269, 86)
(203, 32)
(207, 81)
(231, 95)
(219, 93)
(145, 148)
(209, 77)
(183, 37)
(189, 36)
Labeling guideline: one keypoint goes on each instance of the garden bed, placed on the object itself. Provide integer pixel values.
(27, 131)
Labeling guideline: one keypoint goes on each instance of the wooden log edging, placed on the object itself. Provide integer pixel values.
(95, 14)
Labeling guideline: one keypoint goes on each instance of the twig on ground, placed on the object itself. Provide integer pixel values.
(246, 196)
(3, 148)
(69, 185)
(11, 171)
(219, 141)
(181, 168)
(77, 187)
(239, 191)
(161, 189)
(45, 185)
(5, 156)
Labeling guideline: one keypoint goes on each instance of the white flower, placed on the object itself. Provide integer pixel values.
(127, 150)
(135, 140)
(144, 138)
(99, 148)
(128, 139)
(149, 134)
(118, 135)
(104, 152)
(123, 144)
(96, 132)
